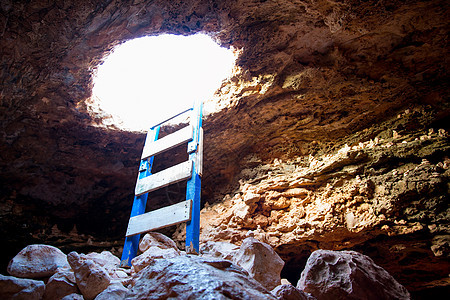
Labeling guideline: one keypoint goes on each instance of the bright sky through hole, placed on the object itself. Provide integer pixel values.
(151, 77)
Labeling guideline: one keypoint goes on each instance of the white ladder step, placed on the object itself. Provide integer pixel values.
(166, 216)
(161, 179)
(168, 142)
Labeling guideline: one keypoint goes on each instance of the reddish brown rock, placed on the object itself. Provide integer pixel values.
(19, 288)
(61, 284)
(348, 275)
(261, 262)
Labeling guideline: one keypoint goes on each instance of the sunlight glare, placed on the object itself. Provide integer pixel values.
(150, 77)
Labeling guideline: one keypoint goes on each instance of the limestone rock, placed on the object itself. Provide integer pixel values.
(105, 259)
(19, 288)
(290, 292)
(114, 291)
(193, 277)
(348, 275)
(61, 284)
(219, 249)
(73, 297)
(260, 261)
(91, 278)
(156, 239)
(154, 252)
(37, 261)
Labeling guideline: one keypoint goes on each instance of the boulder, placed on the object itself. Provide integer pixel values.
(348, 275)
(115, 291)
(156, 239)
(37, 261)
(19, 288)
(193, 277)
(260, 261)
(105, 259)
(154, 252)
(61, 284)
(219, 249)
(91, 278)
(290, 292)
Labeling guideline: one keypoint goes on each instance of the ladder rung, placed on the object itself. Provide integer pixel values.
(168, 142)
(161, 179)
(160, 218)
(166, 119)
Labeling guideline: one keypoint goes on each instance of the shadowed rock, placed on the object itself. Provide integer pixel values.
(192, 277)
(348, 275)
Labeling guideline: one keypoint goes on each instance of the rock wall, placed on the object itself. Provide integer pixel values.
(386, 196)
(311, 77)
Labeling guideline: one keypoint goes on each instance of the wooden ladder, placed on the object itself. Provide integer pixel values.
(191, 170)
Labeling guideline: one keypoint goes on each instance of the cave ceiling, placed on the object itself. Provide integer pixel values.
(309, 73)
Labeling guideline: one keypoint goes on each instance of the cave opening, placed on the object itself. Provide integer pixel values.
(153, 76)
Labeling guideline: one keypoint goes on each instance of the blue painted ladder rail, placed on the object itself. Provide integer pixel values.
(191, 170)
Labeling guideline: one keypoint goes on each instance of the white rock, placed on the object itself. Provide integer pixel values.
(114, 291)
(219, 249)
(290, 292)
(105, 259)
(61, 284)
(193, 277)
(348, 275)
(73, 297)
(37, 261)
(261, 262)
(19, 288)
(158, 240)
(91, 278)
(154, 252)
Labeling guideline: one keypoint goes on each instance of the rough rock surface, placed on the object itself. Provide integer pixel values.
(348, 275)
(61, 284)
(115, 291)
(20, 288)
(187, 277)
(368, 194)
(219, 249)
(91, 278)
(155, 239)
(290, 292)
(260, 261)
(143, 260)
(309, 75)
(37, 261)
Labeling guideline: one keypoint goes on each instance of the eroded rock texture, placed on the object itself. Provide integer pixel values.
(311, 77)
